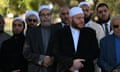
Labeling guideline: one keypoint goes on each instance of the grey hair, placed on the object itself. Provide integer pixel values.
(114, 18)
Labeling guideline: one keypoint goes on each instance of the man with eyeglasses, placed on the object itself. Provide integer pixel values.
(109, 59)
(36, 44)
(32, 18)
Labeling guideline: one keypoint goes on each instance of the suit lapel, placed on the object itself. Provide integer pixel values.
(40, 40)
(81, 41)
(78, 45)
(70, 37)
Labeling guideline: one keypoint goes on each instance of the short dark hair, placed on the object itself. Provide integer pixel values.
(101, 5)
(2, 19)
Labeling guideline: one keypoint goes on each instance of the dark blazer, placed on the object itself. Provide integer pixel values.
(33, 48)
(107, 59)
(56, 28)
(65, 53)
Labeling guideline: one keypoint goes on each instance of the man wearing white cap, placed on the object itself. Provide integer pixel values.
(89, 22)
(32, 18)
(75, 47)
(86, 9)
(36, 44)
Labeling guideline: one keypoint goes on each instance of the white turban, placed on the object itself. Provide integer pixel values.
(18, 18)
(84, 3)
(32, 12)
(44, 7)
(75, 10)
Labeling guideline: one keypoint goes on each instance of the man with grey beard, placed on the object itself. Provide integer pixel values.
(36, 44)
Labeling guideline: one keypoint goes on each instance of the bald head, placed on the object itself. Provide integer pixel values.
(64, 14)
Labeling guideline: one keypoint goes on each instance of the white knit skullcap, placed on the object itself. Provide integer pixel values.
(75, 10)
(44, 7)
(18, 18)
(32, 12)
(84, 3)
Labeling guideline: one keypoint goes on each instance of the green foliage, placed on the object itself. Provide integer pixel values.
(18, 7)
(34, 4)
(3, 6)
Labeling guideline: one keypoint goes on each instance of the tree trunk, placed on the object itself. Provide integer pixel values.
(80, 1)
(59, 2)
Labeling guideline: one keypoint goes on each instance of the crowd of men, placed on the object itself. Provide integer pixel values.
(76, 44)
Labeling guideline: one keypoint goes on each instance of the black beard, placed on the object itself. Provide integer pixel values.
(87, 19)
(18, 35)
(106, 20)
(100, 21)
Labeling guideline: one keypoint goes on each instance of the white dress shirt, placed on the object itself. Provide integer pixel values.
(75, 34)
(108, 27)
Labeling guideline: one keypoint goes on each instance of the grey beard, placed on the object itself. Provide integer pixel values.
(46, 23)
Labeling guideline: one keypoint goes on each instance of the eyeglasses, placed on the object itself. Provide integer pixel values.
(116, 26)
(47, 14)
(30, 20)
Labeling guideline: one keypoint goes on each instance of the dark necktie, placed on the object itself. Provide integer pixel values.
(106, 29)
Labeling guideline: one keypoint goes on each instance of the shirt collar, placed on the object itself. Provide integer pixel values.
(107, 22)
(74, 30)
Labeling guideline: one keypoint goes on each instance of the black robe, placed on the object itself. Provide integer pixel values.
(11, 54)
(64, 52)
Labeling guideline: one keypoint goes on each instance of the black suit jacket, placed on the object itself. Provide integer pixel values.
(11, 54)
(55, 28)
(64, 50)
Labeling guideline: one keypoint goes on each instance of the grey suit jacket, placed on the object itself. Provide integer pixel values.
(33, 49)
(107, 59)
